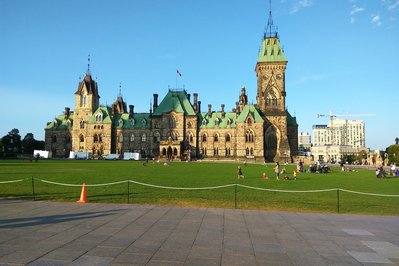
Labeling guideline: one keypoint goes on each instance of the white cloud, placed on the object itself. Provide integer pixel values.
(376, 20)
(356, 9)
(394, 5)
(300, 4)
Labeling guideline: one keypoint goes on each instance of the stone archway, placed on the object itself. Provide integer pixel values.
(169, 153)
(272, 143)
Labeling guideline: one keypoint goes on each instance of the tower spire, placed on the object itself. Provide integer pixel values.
(270, 30)
(88, 65)
(120, 90)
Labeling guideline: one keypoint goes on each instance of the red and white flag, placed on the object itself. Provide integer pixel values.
(178, 73)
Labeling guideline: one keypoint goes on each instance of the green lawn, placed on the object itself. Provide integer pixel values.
(199, 174)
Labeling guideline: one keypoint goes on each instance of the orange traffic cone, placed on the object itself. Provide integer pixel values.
(83, 194)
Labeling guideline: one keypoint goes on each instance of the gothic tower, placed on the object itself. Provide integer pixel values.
(270, 72)
(86, 103)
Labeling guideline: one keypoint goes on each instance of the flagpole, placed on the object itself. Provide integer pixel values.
(176, 81)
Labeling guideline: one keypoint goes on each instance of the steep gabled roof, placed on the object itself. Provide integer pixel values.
(271, 51)
(89, 84)
(223, 121)
(136, 121)
(61, 123)
(175, 101)
(104, 111)
(250, 109)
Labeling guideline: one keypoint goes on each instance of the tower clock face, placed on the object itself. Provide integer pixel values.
(278, 76)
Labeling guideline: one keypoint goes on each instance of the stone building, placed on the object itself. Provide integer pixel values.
(178, 128)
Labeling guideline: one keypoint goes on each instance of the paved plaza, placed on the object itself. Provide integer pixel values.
(48, 233)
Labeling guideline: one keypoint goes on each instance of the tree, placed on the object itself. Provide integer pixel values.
(393, 153)
(29, 144)
(12, 143)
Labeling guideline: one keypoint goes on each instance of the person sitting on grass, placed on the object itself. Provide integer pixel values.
(294, 172)
(239, 173)
(283, 171)
(286, 177)
(264, 176)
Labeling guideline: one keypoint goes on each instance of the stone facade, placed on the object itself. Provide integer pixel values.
(177, 128)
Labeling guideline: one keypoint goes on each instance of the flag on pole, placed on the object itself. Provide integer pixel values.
(178, 73)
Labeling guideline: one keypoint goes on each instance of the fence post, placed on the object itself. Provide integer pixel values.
(338, 200)
(235, 197)
(33, 189)
(128, 191)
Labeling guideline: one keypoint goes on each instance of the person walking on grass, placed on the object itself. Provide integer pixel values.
(277, 170)
(239, 173)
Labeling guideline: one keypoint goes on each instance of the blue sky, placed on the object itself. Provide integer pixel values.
(342, 56)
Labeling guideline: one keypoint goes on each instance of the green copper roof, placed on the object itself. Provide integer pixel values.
(138, 120)
(102, 110)
(216, 117)
(250, 109)
(60, 123)
(271, 51)
(175, 101)
(291, 120)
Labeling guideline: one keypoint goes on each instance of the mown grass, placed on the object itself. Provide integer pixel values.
(200, 174)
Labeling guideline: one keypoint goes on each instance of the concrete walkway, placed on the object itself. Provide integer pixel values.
(43, 233)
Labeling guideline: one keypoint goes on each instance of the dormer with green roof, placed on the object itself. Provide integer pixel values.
(177, 101)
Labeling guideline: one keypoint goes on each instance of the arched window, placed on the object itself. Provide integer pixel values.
(190, 137)
(247, 151)
(175, 152)
(143, 122)
(83, 100)
(204, 122)
(157, 137)
(172, 122)
(228, 122)
(190, 125)
(251, 151)
(95, 138)
(249, 136)
(228, 137)
(163, 151)
(249, 121)
(54, 139)
(216, 138)
(132, 122)
(204, 138)
(143, 138)
(81, 138)
(82, 124)
(132, 138)
(95, 127)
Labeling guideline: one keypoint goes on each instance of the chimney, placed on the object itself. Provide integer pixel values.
(222, 109)
(188, 97)
(155, 101)
(199, 107)
(209, 110)
(67, 112)
(237, 108)
(131, 110)
(195, 95)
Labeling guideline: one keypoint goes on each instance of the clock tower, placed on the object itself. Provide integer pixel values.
(270, 72)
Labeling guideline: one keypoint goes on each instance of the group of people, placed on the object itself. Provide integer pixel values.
(393, 171)
(277, 172)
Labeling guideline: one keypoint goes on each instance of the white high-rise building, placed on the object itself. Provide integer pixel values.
(340, 132)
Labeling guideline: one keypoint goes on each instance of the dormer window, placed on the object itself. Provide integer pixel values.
(143, 122)
(132, 122)
(249, 121)
(217, 122)
(120, 122)
(228, 122)
(55, 122)
(204, 122)
(99, 118)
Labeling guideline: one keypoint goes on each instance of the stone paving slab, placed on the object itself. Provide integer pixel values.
(44, 233)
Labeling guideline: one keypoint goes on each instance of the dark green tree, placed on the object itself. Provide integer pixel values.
(12, 143)
(393, 153)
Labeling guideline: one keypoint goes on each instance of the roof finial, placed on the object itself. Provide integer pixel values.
(120, 90)
(88, 65)
(270, 31)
